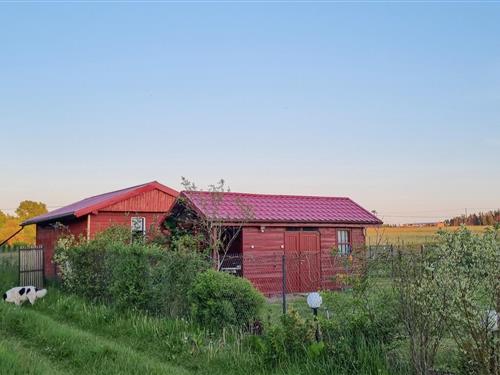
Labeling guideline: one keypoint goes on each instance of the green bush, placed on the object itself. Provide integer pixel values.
(171, 279)
(220, 299)
(291, 339)
(129, 274)
(373, 313)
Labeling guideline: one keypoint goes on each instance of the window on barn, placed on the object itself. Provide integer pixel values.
(138, 227)
(343, 242)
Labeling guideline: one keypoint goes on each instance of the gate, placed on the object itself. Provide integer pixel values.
(31, 264)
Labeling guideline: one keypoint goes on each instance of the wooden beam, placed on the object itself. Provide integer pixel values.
(5, 241)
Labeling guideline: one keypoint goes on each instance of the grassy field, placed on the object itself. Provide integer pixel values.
(409, 235)
(65, 335)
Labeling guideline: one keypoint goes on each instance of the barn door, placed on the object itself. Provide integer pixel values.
(292, 261)
(309, 261)
(302, 254)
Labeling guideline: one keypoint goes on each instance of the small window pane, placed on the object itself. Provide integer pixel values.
(343, 243)
(138, 227)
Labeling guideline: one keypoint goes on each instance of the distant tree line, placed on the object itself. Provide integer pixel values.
(10, 224)
(481, 218)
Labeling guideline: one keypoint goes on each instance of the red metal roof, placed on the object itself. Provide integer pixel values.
(96, 202)
(266, 208)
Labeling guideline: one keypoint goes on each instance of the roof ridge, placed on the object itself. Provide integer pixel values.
(267, 194)
(73, 208)
(112, 192)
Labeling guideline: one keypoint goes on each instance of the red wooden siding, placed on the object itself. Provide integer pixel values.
(328, 266)
(104, 220)
(47, 235)
(330, 263)
(152, 205)
(311, 260)
(262, 263)
(150, 201)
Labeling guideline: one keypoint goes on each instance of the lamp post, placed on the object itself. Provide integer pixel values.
(314, 301)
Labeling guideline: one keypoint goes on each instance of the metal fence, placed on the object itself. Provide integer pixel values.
(280, 275)
(31, 265)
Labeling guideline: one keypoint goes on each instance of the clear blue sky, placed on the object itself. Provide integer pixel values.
(394, 105)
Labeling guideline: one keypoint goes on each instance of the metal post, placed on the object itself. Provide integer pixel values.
(19, 265)
(283, 286)
(44, 279)
(392, 261)
(317, 334)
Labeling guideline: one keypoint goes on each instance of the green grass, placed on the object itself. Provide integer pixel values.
(9, 269)
(71, 350)
(17, 359)
(80, 337)
(63, 334)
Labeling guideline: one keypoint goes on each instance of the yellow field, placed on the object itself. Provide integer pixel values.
(408, 235)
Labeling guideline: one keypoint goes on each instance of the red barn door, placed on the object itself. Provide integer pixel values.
(302, 251)
(309, 261)
(292, 261)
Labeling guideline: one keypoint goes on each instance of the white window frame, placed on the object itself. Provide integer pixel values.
(344, 244)
(132, 230)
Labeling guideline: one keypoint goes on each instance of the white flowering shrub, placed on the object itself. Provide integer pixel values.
(468, 273)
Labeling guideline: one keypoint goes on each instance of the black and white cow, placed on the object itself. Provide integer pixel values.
(20, 294)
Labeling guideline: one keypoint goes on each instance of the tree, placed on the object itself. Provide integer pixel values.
(11, 224)
(469, 272)
(3, 218)
(421, 302)
(28, 209)
(217, 236)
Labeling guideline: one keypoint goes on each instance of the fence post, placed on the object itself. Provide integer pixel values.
(19, 265)
(392, 261)
(283, 286)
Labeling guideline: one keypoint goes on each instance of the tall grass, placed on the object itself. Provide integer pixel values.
(16, 359)
(74, 350)
(9, 269)
(82, 337)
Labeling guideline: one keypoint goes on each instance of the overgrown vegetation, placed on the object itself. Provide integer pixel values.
(9, 266)
(218, 299)
(130, 274)
(423, 311)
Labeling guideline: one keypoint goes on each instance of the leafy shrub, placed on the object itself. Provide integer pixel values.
(468, 276)
(129, 274)
(289, 340)
(219, 299)
(172, 277)
(80, 265)
(374, 314)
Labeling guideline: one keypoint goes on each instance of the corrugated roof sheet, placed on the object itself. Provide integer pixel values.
(280, 208)
(88, 203)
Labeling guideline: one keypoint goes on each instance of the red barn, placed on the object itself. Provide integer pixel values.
(315, 234)
(142, 207)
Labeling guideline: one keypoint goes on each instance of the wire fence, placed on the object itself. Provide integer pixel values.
(283, 277)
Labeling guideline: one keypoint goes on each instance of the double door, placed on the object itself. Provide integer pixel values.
(302, 256)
